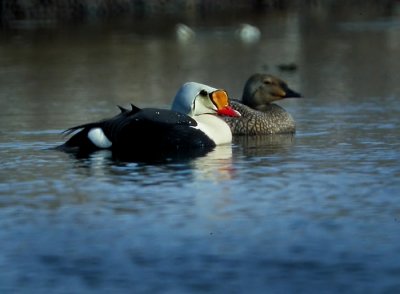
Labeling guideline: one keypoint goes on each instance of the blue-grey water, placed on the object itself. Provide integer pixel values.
(315, 212)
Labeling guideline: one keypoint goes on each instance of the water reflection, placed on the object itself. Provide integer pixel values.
(261, 146)
(215, 165)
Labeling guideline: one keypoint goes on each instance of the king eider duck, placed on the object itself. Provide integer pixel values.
(259, 115)
(149, 132)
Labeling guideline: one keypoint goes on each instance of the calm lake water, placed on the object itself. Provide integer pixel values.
(314, 212)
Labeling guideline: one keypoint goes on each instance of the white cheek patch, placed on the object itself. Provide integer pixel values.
(98, 138)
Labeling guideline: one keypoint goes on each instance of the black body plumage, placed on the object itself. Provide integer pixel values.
(143, 133)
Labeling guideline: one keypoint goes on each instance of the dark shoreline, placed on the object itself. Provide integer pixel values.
(21, 13)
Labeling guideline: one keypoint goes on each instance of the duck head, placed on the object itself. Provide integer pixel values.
(261, 89)
(196, 99)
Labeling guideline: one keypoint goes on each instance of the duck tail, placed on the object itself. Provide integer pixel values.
(72, 130)
(122, 109)
(80, 134)
(134, 109)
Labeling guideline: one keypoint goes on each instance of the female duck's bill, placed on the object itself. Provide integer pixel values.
(152, 134)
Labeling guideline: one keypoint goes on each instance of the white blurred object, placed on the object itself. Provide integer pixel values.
(248, 33)
(184, 33)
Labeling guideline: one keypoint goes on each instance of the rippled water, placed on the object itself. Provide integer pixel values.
(314, 212)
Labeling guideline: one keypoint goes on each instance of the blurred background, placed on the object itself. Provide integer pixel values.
(118, 51)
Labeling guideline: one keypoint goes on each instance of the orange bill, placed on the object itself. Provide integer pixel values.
(221, 101)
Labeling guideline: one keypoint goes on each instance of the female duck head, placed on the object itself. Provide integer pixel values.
(261, 89)
(196, 99)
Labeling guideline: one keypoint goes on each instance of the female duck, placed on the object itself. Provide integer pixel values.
(258, 114)
(155, 132)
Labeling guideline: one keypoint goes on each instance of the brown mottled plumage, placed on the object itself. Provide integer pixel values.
(258, 115)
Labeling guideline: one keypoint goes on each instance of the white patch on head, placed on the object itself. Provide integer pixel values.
(98, 138)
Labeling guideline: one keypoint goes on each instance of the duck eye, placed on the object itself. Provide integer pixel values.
(203, 93)
(268, 82)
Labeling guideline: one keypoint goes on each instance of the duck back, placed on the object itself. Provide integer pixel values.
(158, 131)
(272, 119)
(140, 134)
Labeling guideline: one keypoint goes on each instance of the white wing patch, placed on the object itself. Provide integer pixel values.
(98, 138)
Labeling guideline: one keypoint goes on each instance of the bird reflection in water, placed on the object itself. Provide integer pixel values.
(215, 164)
(264, 145)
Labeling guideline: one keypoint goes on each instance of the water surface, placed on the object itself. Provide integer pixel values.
(315, 212)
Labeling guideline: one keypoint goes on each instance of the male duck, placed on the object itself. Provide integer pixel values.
(258, 114)
(156, 132)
